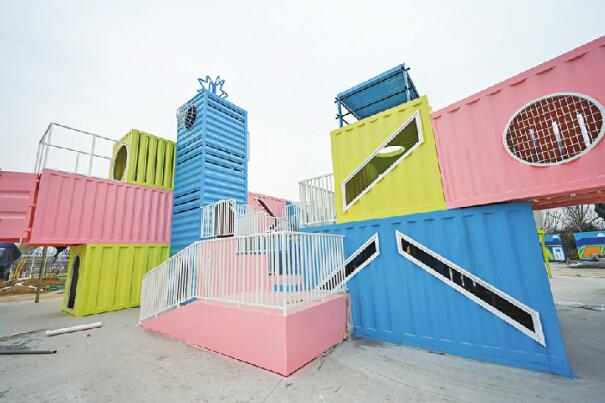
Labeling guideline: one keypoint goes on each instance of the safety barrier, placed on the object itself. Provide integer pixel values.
(227, 218)
(278, 270)
(317, 205)
(91, 152)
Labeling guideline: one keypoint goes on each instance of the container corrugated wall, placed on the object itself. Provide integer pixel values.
(396, 300)
(109, 276)
(211, 163)
(74, 209)
(412, 184)
(476, 167)
(17, 196)
(144, 159)
(274, 206)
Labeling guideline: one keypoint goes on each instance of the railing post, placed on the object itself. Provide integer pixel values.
(283, 268)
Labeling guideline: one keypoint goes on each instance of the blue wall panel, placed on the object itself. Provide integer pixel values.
(395, 300)
(211, 163)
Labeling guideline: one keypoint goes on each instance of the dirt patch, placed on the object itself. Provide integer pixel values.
(8, 288)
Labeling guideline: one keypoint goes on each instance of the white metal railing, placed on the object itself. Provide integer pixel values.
(74, 150)
(227, 218)
(292, 217)
(317, 205)
(278, 270)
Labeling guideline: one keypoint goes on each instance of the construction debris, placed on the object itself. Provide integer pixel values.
(72, 329)
(14, 352)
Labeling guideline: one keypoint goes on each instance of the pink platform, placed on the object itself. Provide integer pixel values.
(17, 196)
(263, 202)
(477, 169)
(74, 209)
(261, 337)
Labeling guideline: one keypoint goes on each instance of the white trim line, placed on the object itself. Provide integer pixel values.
(580, 154)
(537, 334)
(415, 117)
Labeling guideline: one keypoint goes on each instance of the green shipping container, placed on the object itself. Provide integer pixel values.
(144, 159)
(104, 278)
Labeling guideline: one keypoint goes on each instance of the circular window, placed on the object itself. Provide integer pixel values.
(554, 129)
(190, 117)
(119, 163)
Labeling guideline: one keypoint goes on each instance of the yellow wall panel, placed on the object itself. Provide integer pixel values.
(413, 183)
(109, 276)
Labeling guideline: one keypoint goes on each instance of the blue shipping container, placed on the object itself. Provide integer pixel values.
(460, 281)
(211, 162)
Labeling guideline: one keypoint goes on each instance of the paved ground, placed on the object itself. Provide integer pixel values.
(120, 362)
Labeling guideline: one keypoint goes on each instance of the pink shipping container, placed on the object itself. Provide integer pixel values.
(274, 206)
(74, 209)
(536, 136)
(17, 196)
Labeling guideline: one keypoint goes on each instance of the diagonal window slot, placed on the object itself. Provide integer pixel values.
(507, 308)
(383, 160)
(265, 207)
(355, 263)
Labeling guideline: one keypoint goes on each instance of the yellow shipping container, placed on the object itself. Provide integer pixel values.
(144, 159)
(104, 278)
(386, 165)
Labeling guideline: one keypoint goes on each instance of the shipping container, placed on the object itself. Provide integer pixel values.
(106, 277)
(74, 209)
(535, 137)
(462, 281)
(590, 244)
(144, 159)
(211, 162)
(17, 196)
(555, 248)
(273, 206)
(379, 93)
(386, 165)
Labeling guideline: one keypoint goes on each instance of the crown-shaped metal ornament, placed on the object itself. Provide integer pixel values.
(215, 86)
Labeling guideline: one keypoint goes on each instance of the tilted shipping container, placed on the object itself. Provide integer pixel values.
(74, 209)
(386, 165)
(536, 136)
(470, 282)
(273, 206)
(17, 197)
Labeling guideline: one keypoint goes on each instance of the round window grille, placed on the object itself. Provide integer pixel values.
(190, 117)
(554, 129)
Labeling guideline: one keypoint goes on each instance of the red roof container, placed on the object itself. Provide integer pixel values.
(74, 209)
(17, 195)
(274, 206)
(536, 136)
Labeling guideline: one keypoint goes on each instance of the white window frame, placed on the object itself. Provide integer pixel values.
(415, 117)
(537, 334)
(575, 157)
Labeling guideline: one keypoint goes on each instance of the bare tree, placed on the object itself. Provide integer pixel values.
(581, 218)
(552, 220)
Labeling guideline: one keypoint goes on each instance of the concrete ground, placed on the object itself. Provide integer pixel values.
(120, 362)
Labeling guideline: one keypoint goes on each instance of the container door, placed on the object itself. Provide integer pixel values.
(73, 284)
(558, 254)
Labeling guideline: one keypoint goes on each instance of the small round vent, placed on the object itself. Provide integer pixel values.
(554, 129)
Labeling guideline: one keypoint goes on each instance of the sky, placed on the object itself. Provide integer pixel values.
(109, 66)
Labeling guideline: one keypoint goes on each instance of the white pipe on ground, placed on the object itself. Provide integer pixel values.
(72, 329)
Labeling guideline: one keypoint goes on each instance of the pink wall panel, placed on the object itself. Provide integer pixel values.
(274, 204)
(475, 165)
(17, 195)
(74, 209)
(261, 337)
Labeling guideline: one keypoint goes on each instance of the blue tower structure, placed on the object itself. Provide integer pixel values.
(211, 159)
